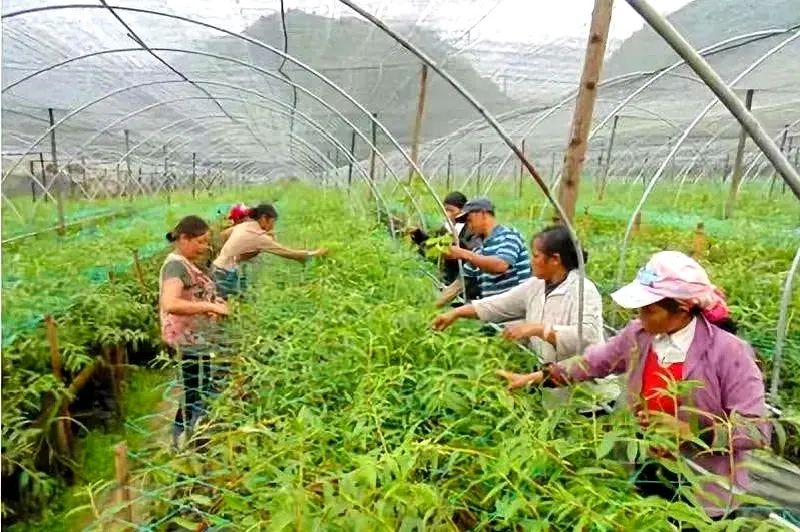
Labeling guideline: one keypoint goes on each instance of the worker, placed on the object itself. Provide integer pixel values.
(246, 241)
(682, 335)
(188, 309)
(499, 264)
(453, 203)
(548, 304)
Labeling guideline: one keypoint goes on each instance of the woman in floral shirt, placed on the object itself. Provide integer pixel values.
(189, 308)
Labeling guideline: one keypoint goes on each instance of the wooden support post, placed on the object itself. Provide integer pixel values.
(637, 223)
(122, 494)
(129, 177)
(553, 165)
(584, 106)
(521, 171)
(137, 268)
(783, 144)
(62, 424)
(604, 178)
(726, 167)
(699, 241)
(478, 175)
(449, 170)
(738, 166)
(374, 140)
(423, 87)
(33, 182)
(194, 175)
(54, 157)
(350, 162)
(43, 175)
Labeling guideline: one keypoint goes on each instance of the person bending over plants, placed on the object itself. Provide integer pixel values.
(449, 269)
(246, 241)
(687, 377)
(188, 309)
(548, 304)
(502, 261)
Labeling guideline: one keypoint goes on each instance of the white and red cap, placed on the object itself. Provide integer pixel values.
(673, 275)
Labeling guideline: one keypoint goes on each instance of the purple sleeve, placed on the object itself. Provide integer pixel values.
(600, 360)
(743, 401)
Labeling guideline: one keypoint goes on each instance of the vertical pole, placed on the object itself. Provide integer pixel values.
(726, 167)
(783, 144)
(352, 158)
(478, 175)
(449, 169)
(788, 153)
(607, 167)
(129, 177)
(33, 183)
(194, 175)
(122, 496)
(373, 139)
(738, 166)
(553, 166)
(521, 171)
(587, 93)
(166, 182)
(59, 192)
(62, 437)
(423, 87)
(43, 174)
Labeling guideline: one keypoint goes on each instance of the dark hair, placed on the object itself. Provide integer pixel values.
(264, 209)
(456, 199)
(673, 307)
(555, 239)
(190, 226)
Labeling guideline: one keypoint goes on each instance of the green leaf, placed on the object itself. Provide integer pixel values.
(202, 500)
(606, 444)
(186, 523)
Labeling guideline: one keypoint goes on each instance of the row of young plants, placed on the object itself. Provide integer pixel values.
(103, 301)
(343, 410)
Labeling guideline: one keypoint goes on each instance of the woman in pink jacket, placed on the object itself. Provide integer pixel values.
(681, 335)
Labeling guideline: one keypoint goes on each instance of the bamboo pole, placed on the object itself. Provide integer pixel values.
(122, 494)
(449, 169)
(738, 167)
(584, 106)
(62, 437)
(699, 242)
(521, 171)
(423, 87)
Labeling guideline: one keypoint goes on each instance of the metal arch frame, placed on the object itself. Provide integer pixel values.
(653, 180)
(265, 46)
(783, 324)
(223, 98)
(653, 76)
(656, 75)
(272, 75)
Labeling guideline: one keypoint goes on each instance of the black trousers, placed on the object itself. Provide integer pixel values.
(195, 376)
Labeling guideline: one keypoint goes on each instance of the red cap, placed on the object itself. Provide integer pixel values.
(238, 212)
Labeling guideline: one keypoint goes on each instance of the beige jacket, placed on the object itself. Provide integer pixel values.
(246, 239)
(559, 310)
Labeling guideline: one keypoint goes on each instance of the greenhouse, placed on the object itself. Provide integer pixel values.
(429, 265)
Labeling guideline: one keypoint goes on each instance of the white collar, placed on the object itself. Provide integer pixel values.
(673, 348)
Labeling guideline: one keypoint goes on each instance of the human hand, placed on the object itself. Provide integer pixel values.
(443, 321)
(521, 331)
(218, 309)
(456, 253)
(319, 252)
(519, 380)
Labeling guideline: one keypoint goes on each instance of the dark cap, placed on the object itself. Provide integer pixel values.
(475, 205)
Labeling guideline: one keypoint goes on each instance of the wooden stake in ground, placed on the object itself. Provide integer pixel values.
(122, 494)
(607, 167)
(62, 425)
(738, 169)
(423, 88)
(584, 106)
(699, 241)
